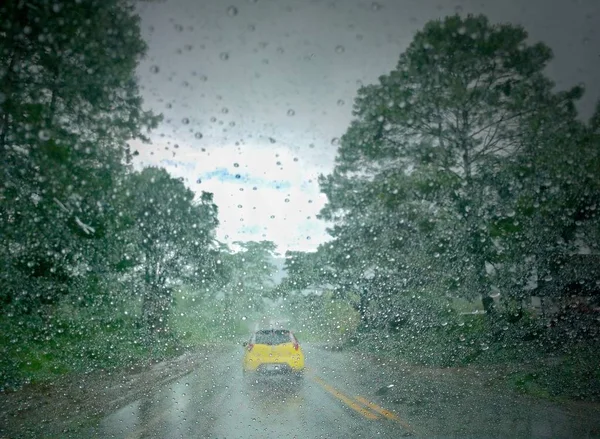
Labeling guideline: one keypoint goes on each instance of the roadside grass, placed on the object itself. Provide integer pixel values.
(194, 330)
(572, 376)
(28, 355)
(36, 349)
(525, 360)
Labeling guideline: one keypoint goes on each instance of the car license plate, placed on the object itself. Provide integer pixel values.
(273, 367)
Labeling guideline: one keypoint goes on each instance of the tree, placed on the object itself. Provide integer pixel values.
(70, 102)
(171, 239)
(414, 186)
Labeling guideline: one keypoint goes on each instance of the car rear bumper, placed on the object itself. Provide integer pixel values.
(275, 367)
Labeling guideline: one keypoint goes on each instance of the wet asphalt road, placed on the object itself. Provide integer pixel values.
(217, 401)
(340, 396)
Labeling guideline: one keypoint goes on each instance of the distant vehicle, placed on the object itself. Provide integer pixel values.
(273, 351)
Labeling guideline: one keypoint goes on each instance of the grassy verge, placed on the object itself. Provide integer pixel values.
(526, 361)
(37, 352)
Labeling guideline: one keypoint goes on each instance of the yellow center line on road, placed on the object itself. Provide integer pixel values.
(376, 408)
(365, 407)
(345, 399)
(384, 412)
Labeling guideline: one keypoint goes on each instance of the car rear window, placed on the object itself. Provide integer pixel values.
(272, 337)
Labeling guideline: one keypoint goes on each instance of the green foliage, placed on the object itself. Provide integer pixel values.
(91, 248)
(463, 174)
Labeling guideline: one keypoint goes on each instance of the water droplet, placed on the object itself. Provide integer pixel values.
(44, 135)
(341, 103)
(198, 181)
(236, 165)
(375, 6)
(272, 140)
(224, 110)
(154, 69)
(335, 141)
(185, 121)
(198, 135)
(232, 11)
(224, 56)
(251, 27)
(291, 112)
(340, 49)
(238, 176)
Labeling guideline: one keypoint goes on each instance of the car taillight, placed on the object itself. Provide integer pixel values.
(250, 346)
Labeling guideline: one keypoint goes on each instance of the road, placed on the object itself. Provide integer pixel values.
(216, 401)
(342, 395)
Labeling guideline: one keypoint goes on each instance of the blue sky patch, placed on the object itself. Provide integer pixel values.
(223, 174)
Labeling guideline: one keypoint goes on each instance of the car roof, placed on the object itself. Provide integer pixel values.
(272, 330)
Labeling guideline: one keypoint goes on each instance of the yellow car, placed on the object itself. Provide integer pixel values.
(273, 351)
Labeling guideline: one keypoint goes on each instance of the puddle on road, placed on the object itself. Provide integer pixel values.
(202, 402)
(165, 406)
(274, 395)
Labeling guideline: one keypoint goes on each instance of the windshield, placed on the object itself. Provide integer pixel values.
(273, 337)
(410, 187)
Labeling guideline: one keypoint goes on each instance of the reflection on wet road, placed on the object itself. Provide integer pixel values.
(338, 397)
(219, 402)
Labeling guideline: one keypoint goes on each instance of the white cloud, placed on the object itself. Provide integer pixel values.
(263, 190)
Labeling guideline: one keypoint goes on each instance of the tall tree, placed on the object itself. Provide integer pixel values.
(414, 169)
(69, 103)
(171, 239)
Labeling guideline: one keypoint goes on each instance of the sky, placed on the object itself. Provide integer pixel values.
(255, 93)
